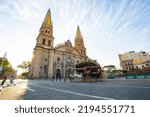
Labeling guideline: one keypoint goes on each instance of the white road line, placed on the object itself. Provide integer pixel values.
(80, 94)
(30, 89)
(25, 87)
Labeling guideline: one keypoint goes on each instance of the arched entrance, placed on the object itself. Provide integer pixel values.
(58, 74)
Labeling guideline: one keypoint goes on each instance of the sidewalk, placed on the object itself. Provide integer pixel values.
(11, 92)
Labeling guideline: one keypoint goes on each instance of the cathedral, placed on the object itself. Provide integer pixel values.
(55, 61)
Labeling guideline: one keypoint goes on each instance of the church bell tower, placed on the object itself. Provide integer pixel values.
(41, 65)
(79, 43)
(45, 37)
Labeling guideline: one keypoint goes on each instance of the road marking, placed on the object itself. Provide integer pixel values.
(80, 94)
(30, 89)
(26, 87)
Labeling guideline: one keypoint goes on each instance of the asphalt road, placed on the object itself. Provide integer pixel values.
(46, 90)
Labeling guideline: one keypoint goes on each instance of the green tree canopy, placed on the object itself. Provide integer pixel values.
(110, 67)
(25, 65)
(83, 64)
(7, 68)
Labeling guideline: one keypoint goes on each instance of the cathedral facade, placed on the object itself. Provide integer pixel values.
(59, 61)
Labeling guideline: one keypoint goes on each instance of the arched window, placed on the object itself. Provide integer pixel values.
(49, 43)
(43, 42)
(46, 31)
(58, 59)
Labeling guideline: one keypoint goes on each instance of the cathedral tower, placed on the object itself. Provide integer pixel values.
(79, 43)
(41, 64)
(45, 37)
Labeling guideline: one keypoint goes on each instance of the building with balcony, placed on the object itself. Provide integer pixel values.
(134, 60)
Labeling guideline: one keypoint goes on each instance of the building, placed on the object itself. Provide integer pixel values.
(58, 61)
(134, 60)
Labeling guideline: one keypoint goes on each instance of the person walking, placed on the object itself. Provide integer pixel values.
(11, 79)
(4, 80)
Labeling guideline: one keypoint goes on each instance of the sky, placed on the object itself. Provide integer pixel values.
(109, 27)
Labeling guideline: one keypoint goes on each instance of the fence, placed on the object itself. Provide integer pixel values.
(138, 75)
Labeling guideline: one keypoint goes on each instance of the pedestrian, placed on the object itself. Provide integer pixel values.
(4, 80)
(53, 79)
(50, 79)
(64, 79)
(11, 79)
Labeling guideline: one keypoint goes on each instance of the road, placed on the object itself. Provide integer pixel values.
(46, 90)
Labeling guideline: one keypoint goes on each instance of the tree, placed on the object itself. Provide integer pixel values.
(110, 68)
(7, 68)
(25, 65)
(83, 64)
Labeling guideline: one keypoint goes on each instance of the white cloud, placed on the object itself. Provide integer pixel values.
(109, 27)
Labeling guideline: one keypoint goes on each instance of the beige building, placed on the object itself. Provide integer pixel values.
(58, 61)
(134, 60)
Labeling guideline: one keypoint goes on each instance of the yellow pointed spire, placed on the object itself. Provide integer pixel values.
(78, 35)
(47, 21)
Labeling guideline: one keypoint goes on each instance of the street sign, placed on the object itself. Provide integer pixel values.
(1, 68)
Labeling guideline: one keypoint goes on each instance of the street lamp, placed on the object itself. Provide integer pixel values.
(69, 68)
(40, 72)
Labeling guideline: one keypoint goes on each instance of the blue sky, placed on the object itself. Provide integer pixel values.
(109, 27)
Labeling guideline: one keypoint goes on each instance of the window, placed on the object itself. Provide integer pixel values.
(45, 68)
(45, 31)
(49, 43)
(45, 59)
(58, 59)
(129, 62)
(77, 61)
(43, 42)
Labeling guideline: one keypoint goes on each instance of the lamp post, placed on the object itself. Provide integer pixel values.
(64, 74)
(40, 72)
(69, 69)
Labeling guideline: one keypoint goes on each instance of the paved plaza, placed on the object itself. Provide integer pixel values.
(134, 89)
